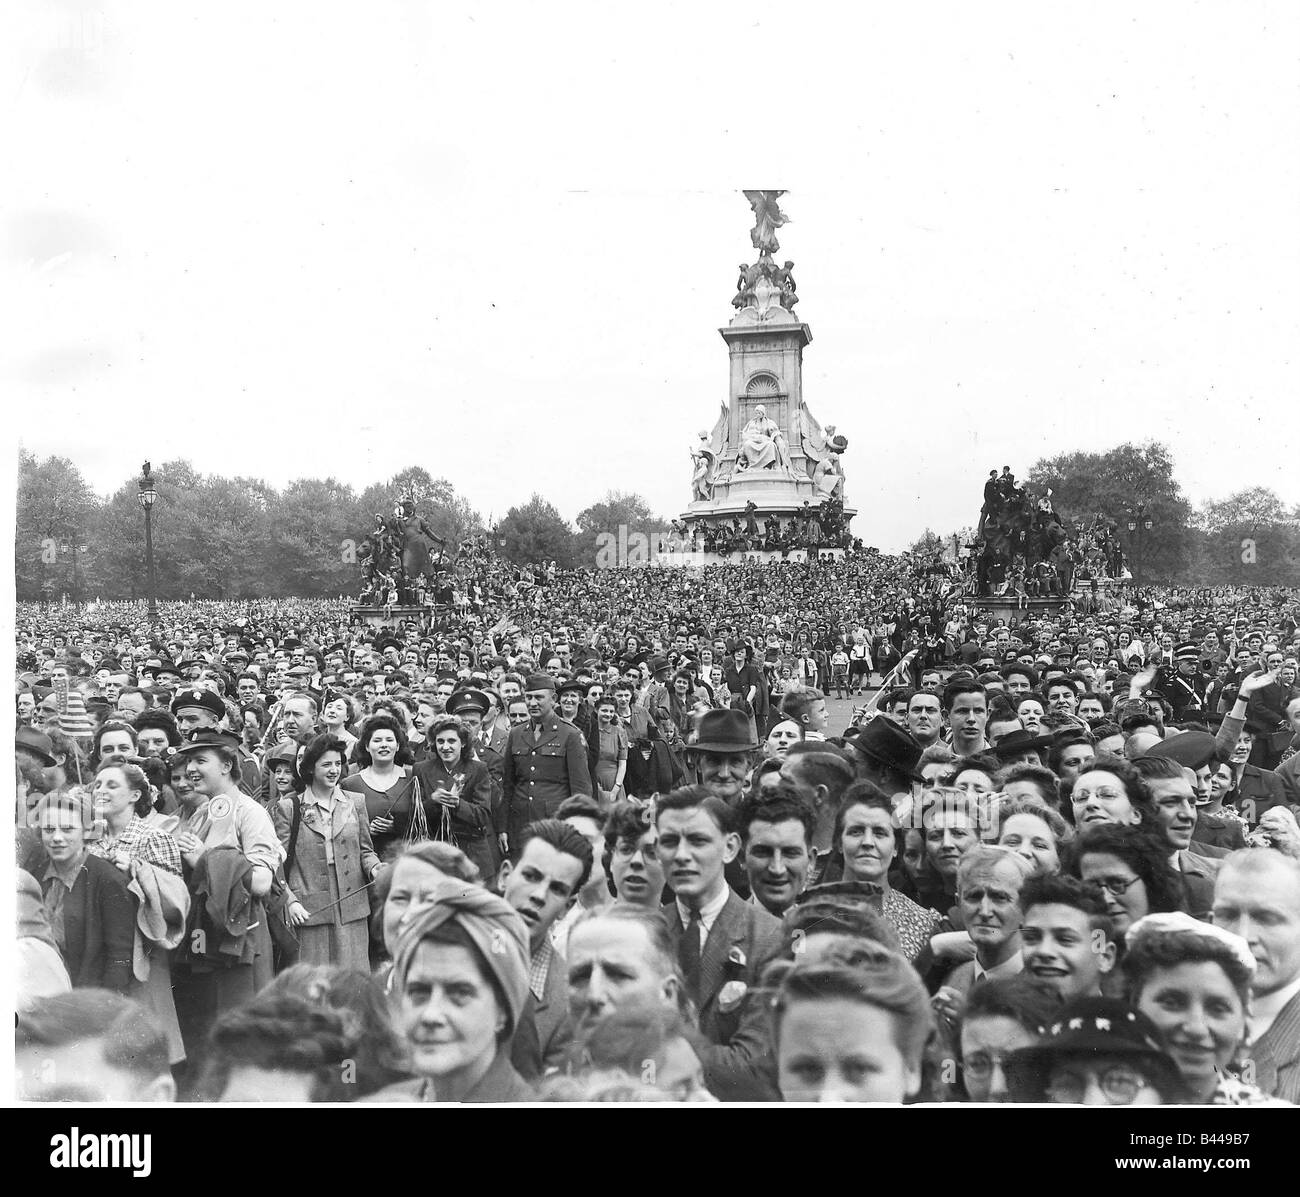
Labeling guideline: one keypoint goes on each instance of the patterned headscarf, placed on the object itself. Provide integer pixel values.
(492, 925)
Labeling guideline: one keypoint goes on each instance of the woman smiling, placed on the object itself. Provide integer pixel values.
(1192, 980)
(867, 836)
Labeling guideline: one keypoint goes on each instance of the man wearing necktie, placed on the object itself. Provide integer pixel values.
(722, 942)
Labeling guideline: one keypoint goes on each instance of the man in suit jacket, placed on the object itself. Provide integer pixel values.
(1173, 811)
(554, 863)
(722, 943)
(1257, 896)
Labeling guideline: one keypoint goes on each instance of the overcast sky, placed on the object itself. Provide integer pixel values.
(498, 240)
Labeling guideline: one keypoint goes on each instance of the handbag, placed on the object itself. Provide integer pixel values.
(285, 942)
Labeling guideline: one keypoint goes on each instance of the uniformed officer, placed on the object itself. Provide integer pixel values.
(545, 763)
(197, 708)
(1184, 690)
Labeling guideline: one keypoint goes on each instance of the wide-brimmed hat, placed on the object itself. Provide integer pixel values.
(885, 742)
(1190, 748)
(1020, 740)
(723, 731)
(38, 744)
(1093, 1027)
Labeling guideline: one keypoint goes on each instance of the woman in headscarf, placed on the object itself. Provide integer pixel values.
(460, 984)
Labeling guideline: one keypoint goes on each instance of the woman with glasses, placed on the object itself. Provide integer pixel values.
(1110, 791)
(1131, 865)
(1000, 1016)
(1192, 980)
(1097, 1052)
(632, 866)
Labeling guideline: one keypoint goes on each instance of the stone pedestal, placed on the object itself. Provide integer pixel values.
(388, 617)
(1006, 607)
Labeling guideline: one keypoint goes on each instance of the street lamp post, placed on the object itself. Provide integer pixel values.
(147, 496)
(1139, 524)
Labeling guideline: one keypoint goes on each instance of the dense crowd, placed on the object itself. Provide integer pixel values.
(589, 836)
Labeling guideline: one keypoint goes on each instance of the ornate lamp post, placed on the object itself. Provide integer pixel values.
(148, 496)
(1139, 524)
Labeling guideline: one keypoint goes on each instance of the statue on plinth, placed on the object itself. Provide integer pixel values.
(762, 444)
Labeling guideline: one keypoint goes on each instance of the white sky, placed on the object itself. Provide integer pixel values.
(497, 240)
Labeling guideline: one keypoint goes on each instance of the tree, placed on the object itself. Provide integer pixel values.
(537, 532)
(1249, 538)
(1115, 482)
(927, 544)
(56, 512)
(449, 515)
(616, 510)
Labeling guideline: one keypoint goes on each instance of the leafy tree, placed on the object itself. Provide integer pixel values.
(1250, 538)
(1115, 482)
(56, 513)
(537, 532)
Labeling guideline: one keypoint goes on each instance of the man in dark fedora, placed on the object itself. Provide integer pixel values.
(1021, 747)
(886, 755)
(721, 755)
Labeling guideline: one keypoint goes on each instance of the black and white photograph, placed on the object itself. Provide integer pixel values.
(507, 612)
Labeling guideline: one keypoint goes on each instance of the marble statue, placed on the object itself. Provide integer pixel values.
(762, 445)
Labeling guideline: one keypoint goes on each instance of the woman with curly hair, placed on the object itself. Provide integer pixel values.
(1192, 980)
(458, 788)
(386, 781)
(1131, 864)
(330, 863)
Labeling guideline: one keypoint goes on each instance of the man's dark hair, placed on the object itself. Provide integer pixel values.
(957, 687)
(582, 807)
(781, 803)
(147, 695)
(1158, 768)
(697, 797)
(1027, 671)
(132, 1040)
(562, 838)
(822, 764)
(1055, 889)
(283, 1033)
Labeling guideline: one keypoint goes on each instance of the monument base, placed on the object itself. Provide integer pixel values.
(691, 560)
(388, 617)
(1012, 610)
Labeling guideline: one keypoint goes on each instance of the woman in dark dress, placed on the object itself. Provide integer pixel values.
(745, 679)
(387, 781)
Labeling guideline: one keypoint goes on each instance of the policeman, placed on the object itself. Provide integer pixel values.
(1184, 689)
(545, 763)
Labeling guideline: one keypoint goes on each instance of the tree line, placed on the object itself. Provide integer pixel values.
(229, 538)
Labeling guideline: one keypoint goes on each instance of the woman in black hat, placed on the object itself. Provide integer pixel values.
(1097, 1052)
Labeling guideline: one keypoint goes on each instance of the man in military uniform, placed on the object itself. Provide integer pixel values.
(197, 707)
(545, 763)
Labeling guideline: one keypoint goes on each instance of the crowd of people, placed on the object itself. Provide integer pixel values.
(590, 836)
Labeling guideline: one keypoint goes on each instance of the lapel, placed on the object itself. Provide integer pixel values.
(1279, 1045)
(728, 929)
(550, 732)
